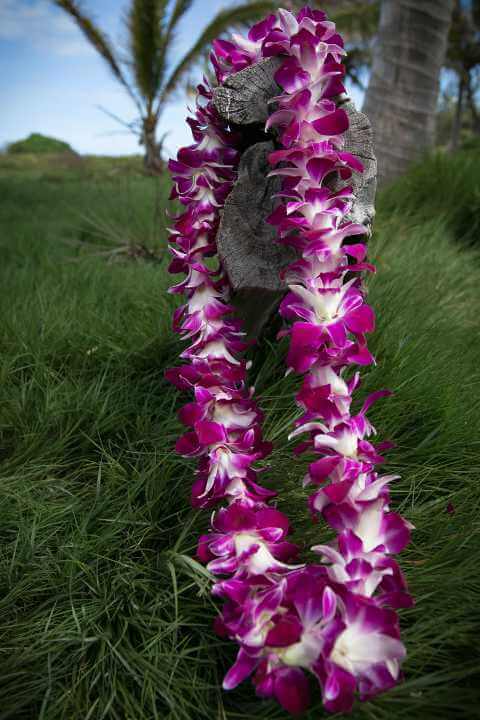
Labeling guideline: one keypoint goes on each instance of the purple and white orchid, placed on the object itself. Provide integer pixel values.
(334, 620)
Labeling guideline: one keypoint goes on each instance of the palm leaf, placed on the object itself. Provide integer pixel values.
(354, 18)
(223, 21)
(145, 22)
(179, 10)
(94, 35)
(357, 60)
(357, 21)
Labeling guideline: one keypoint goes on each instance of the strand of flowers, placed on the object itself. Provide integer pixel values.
(247, 538)
(330, 619)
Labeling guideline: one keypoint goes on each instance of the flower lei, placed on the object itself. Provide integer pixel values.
(336, 619)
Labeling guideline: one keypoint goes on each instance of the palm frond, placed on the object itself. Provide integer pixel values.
(179, 10)
(94, 35)
(354, 18)
(357, 60)
(145, 22)
(224, 20)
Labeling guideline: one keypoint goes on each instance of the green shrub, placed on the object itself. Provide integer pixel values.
(37, 143)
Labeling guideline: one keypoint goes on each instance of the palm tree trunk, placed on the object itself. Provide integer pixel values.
(473, 106)
(152, 159)
(402, 94)
(457, 121)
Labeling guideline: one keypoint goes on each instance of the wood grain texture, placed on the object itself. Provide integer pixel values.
(247, 244)
(243, 99)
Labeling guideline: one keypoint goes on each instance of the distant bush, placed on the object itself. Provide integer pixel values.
(36, 143)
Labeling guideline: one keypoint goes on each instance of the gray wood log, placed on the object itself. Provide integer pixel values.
(244, 97)
(246, 243)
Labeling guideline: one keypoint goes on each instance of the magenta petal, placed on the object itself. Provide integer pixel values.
(291, 77)
(301, 100)
(351, 160)
(269, 517)
(187, 444)
(362, 356)
(259, 31)
(285, 632)
(303, 38)
(322, 468)
(337, 491)
(190, 414)
(280, 117)
(372, 398)
(306, 339)
(270, 601)
(337, 332)
(244, 665)
(380, 681)
(361, 320)
(338, 691)
(236, 590)
(223, 566)
(336, 39)
(318, 168)
(356, 250)
(234, 518)
(292, 690)
(397, 532)
(332, 124)
(285, 551)
(210, 433)
(349, 544)
(291, 134)
(317, 15)
(329, 604)
(202, 549)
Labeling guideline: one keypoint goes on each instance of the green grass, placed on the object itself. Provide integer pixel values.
(103, 612)
(67, 167)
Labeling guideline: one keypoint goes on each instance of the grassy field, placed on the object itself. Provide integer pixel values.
(103, 613)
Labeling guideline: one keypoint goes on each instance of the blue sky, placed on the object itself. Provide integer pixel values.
(52, 82)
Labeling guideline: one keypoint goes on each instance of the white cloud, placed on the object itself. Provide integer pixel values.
(42, 26)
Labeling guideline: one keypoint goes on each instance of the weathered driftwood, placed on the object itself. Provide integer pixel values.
(244, 97)
(246, 242)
